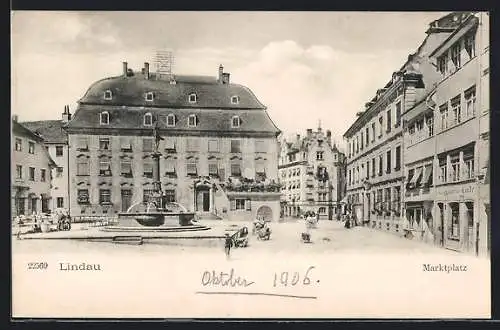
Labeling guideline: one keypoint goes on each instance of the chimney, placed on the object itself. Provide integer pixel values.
(146, 70)
(15, 118)
(125, 69)
(221, 72)
(225, 78)
(66, 116)
(309, 132)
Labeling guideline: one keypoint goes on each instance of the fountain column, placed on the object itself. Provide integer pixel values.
(157, 195)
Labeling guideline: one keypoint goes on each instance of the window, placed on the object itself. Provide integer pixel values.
(148, 119)
(192, 98)
(171, 120)
(380, 165)
(235, 146)
(59, 172)
(443, 63)
(170, 166)
(192, 144)
(455, 55)
(362, 141)
(389, 120)
(82, 166)
(60, 202)
(235, 168)
(398, 158)
(367, 169)
(470, 102)
(381, 126)
(260, 146)
(59, 151)
(82, 144)
(367, 135)
(149, 96)
(235, 121)
(430, 125)
(235, 99)
(19, 171)
(213, 168)
(43, 175)
(104, 196)
(19, 144)
(470, 45)
(455, 168)
(260, 167)
(319, 155)
(126, 168)
(192, 121)
(104, 118)
(443, 170)
(373, 167)
(398, 114)
(213, 146)
(108, 95)
(191, 167)
(82, 196)
(125, 144)
(350, 177)
(31, 147)
(357, 174)
(147, 169)
(240, 204)
(357, 144)
(454, 226)
(443, 109)
(32, 174)
(146, 195)
(456, 108)
(147, 145)
(373, 132)
(469, 165)
(104, 167)
(104, 144)
(170, 195)
(388, 162)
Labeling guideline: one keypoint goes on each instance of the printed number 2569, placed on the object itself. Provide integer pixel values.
(38, 265)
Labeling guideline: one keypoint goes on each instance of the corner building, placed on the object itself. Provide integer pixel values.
(375, 163)
(219, 153)
(447, 144)
(311, 175)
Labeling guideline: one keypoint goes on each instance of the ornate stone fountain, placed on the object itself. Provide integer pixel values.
(157, 216)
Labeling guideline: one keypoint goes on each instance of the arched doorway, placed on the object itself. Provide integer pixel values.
(203, 191)
(265, 212)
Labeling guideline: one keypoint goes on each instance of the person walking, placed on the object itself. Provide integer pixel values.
(228, 244)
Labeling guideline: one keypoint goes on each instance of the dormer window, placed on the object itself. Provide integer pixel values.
(104, 118)
(149, 96)
(148, 119)
(235, 99)
(108, 95)
(171, 120)
(235, 121)
(192, 121)
(192, 98)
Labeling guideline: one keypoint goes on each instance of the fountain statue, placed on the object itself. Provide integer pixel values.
(156, 216)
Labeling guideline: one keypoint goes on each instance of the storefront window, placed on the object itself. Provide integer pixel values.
(470, 224)
(454, 226)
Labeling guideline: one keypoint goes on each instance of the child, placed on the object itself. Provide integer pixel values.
(228, 245)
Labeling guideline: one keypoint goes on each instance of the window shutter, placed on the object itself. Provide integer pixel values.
(248, 204)
(233, 204)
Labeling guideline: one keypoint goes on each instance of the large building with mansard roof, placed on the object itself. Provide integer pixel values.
(219, 153)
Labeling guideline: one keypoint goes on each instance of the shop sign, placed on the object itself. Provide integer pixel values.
(454, 192)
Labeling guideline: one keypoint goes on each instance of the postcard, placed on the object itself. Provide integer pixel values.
(250, 165)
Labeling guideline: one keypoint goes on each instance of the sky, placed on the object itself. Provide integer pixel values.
(308, 68)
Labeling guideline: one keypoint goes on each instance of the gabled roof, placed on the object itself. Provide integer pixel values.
(131, 91)
(21, 129)
(51, 130)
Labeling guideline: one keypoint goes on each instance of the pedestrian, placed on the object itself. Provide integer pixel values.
(228, 245)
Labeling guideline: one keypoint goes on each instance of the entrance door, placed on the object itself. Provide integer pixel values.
(206, 201)
(126, 199)
(441, 223)
(20, 205)
(33, 205)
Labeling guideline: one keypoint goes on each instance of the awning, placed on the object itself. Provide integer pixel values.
(427, 176)
(126, 168)
(169, 167)
(416, 176)
(148, 167)
(259, 167)
(104, 166)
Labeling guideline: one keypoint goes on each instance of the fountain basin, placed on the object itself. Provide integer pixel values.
(155, 219)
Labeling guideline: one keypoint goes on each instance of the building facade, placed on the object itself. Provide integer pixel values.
(31, 172)
(375, 171)
(56, 142)
(219, 147)
(447, 144)
(311, 175)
